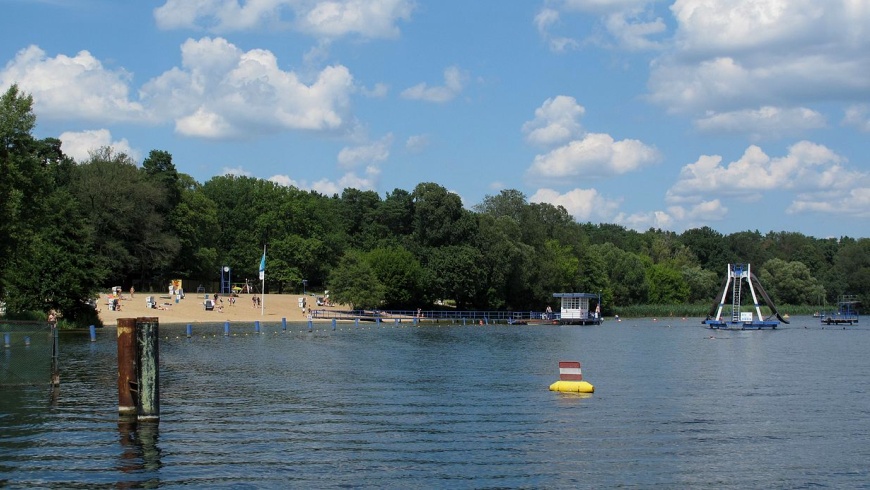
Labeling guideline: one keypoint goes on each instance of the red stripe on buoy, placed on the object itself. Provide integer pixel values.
(570, 371)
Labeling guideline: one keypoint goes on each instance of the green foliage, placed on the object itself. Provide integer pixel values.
(455, 273)
(400, 274)
(67, 230)
(790, 282)
(667, 285)
(354, 282)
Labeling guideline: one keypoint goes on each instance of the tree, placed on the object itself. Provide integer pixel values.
(667, 285)
(439, 218)
(709, 246)
(132, 235)
(17, 166)
(354, 282)
(790, 282)
(400, 274)
(626, 272)
(455, 272)
(702, 283)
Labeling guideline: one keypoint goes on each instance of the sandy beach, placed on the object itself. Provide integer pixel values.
(191, 310)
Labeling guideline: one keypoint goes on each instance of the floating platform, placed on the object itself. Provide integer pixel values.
(576, 308)
(846, 313)
(756, 325)
(741, 320)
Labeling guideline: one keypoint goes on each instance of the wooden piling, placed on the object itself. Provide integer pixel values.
(148, 349)
(128, 385)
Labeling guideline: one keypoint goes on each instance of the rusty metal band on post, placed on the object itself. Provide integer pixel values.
(127, 375)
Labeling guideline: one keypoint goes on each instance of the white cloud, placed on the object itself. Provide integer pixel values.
(807, 168)
(545, 21)
(629, 24)
(858, 115)
(734, 55)
(368, 18)
(556, 121)
(374, 152)
(221, 91)
(237, 171)
(331, 19)
(454, 80)
(77, 87)
(80, 145)
(417, 143)
(768, 121)
(632, 31)
(379, 91)
(595, 155)
(675, 217)
(284, 180)
(582, 204)
(852, 202)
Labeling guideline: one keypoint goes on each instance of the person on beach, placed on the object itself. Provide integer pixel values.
(132, 290)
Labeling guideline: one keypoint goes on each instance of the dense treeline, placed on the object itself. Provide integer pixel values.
(71, 229)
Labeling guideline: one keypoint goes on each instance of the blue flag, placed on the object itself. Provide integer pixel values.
(263, 265)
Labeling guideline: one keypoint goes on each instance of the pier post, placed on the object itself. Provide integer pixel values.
(148, 349)
(93, 333)
(333, 324)
(55, 354)
(310, 325)
(189, 330)
(226, 329)
(257, 326)
(128, 386)
(283, 324)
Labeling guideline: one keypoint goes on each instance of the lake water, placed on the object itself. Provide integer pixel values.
(457, 407)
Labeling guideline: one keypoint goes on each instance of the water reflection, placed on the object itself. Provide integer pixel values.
(140, 453)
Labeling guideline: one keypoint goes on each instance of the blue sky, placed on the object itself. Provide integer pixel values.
(734, 114)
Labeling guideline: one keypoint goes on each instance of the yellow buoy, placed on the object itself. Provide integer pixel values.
(571, 379)
(572, 387)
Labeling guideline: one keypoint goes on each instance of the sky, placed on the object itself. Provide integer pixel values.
(733, 114)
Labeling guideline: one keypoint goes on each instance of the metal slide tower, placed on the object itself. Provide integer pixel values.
(742, 320)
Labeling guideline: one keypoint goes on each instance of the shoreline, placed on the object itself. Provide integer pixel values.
(191, 309)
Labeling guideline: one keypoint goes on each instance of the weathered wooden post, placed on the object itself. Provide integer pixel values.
(148, 350)
(55, 354)
(128, 385)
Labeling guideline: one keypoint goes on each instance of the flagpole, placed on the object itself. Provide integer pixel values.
(263, 277)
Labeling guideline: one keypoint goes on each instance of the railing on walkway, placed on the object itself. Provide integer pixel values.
(454, 316)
